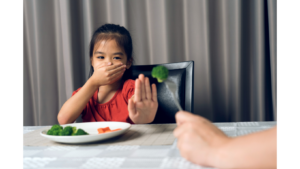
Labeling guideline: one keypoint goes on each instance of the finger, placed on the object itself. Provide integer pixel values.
(115, 67)
(184, 116)
(101, 64)
(179, 145)
(179, 130)
(132, 97)
(154, 93)
(131, 106)
(116, 75)
(148, 90)
(143, 91)
(116, 70)
(137, 91)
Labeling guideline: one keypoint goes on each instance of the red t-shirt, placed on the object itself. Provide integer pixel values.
(113, 110)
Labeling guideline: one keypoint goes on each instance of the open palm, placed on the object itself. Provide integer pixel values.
(142, 106)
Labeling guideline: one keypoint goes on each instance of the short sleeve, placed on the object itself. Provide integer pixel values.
(76, 91)
(128, 89)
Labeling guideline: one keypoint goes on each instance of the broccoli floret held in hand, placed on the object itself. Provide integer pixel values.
(160, 73)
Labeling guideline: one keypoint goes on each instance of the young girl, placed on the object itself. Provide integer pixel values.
(108, 95)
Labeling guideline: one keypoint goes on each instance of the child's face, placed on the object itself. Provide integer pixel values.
(109, 51)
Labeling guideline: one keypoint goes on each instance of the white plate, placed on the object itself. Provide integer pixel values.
(91, 128)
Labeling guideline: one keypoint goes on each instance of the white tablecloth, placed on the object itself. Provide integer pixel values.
(122, 157)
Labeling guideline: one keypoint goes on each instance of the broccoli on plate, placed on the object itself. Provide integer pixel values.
(58, 130)
(80, 132)
(55, 130)
(67, 131)
(160, 73)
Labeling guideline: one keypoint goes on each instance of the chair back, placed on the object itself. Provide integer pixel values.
(181, 73)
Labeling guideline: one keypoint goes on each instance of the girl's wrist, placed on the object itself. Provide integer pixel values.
(91, 82)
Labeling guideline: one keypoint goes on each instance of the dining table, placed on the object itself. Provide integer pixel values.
(154, 147)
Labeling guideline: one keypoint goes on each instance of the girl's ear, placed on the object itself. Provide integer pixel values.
(91, 59)
(129, 63)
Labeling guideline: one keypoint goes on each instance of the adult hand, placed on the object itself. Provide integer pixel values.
(143, 105)
(198, 139)
(106, 73)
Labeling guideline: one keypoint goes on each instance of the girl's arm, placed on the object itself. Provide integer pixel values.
(104, 74)
(73, 107)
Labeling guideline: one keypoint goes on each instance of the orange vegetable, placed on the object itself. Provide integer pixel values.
(100, 130)
(106, 130)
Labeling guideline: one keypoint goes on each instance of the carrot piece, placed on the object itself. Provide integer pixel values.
(100, 130)
(106, 129)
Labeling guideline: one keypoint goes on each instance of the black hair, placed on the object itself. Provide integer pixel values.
(118, 33)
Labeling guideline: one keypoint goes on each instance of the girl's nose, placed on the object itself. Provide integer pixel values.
(109, 60)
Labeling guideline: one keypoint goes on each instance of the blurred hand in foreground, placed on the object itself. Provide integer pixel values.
(202, 143)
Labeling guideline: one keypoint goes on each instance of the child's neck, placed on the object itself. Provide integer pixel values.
(107, 92)
(111, 87)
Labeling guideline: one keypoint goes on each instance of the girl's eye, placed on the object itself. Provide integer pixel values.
(117, 58)
(100, 57)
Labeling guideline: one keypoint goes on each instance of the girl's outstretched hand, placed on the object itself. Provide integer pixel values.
(142, 106)
(106, 73)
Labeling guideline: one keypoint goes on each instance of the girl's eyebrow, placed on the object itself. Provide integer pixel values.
(99, 52)
(117, 53)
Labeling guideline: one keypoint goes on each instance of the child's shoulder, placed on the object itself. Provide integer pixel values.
(128, 88)
(129, 83)
(76, 91)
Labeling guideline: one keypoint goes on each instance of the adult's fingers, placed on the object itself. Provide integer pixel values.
(137, 91)
(143, 90)
(148, 90)
(184, 116)
(154, 93)
(178, 131)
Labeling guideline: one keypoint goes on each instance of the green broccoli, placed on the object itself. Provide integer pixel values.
(67, 131)
(56, 126)
(160, 73)
(50, 132)
(80, 132)
(58, 130)
(55, 130)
